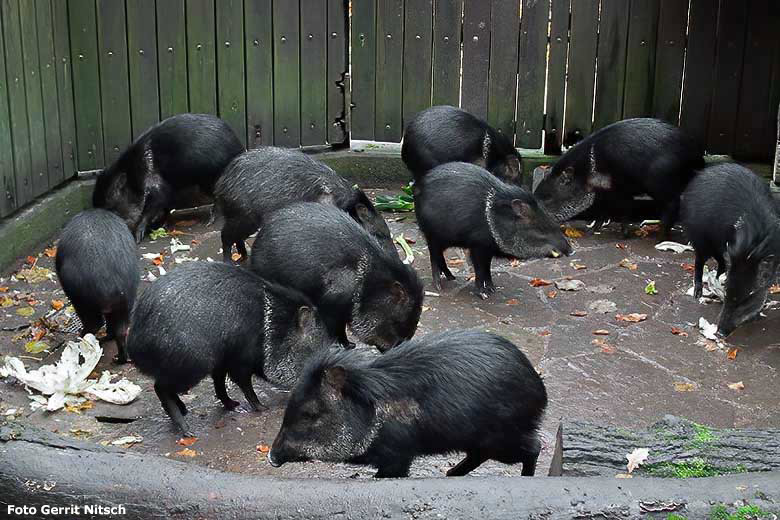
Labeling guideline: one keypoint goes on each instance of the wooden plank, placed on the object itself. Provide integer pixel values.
(446, 51)
(364, 38)
(114, 77)
(51, 113)
(476, 57)
(640, 61)
(611, 73)
(728, 68)
(65, 96)
(7, 173)
(231, 95)
(32, 84)
(17, 101)
(531, 74)
(142, 58)
(259, 73)
(201, 67)
(338, 33)
(756, 116)
(389, 70)
(418, 53)
(582, 66)
(86, 84)
(314, 72)
(556, 76)
(669, 60)
(287, 86)
(172, 57)
(699, 68)
(502, 80)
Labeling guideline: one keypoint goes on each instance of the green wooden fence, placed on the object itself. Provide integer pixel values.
(79, 79)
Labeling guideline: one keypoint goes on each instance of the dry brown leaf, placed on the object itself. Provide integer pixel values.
(732, 353)
(539, 282)
(194, 242)
(628, 264)
(737, 386)
(688, 267)
(774, 289)
(577, 266)
(263, 448)
(634, 317)
(3, 289)
(78, 408)
(552, 294)
(57, 304)
(235, 257)
(410, 240)
(601, 332)
(187, 441)
(573, 232)
(186, 452)
(620, 245)
(157, 260)
(578, 314)
(32, 259)
(471, 277)
(545, 333)
(513, 301)
(455, 261)
(606, 348)
(651, 228)
(684, 387)
(679, 332)
(515, 262)
(50, 252)
(186, 223)
(5, 301)
(37, 333)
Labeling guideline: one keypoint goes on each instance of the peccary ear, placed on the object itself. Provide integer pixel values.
(336, 377)
(599, 181)
(398, 293)
(522, 210)
(305, 317)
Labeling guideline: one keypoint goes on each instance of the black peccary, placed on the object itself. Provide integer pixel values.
(181, 152)
(320, 251)
(216, 319)
(268, 178)
(619, 161)
(443, 134)
(97, 265)
(462, 205)
(728, 213)
(465, 391)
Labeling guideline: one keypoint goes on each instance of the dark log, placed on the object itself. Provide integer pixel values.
(677, 447)
(38, 468)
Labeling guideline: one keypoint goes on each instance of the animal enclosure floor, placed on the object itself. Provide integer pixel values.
(629, 377)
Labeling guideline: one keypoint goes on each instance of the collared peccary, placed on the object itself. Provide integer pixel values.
(268, 178)
(216, 319)
(320, 251)
(181, 152)
(728, 213)
(465, 391)
(443, 134)
(619, 161)
(462, 205)
(97, 265)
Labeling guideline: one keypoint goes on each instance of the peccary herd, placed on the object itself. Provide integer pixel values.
(324, 262)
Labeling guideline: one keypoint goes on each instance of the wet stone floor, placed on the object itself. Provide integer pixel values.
(629, 377)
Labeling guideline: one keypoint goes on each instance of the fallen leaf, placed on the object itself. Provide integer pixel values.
(78, 408)
(186, 452)
(538, 282)
(515, 263)
(513, 301)
(684, 387)
(35, 347)
(32, 259)
(679, 332)
(636, 458)
(601, 332)
(737, 386)
(732, 353)
(186, 223)
(455, 261)
(620, 245)
(688, 267)
(3, 289)
(34, 274)
(624, 475)
(263, 448)
(37, 333)
(675, 247)
(650, 288)
(410, 240)
(127, 441)
(545, 333)
(25, 311)
(634, 317)
(471, 277)
(641, 232)
(7, 302)
(628, 264)
(577, 266)
(235, 257)
(50, 252)
(158, 260)
(605, 347)
(578, 314)
(570, 285)
(57, 304)
(552, 294)
(425, 308)
(187, 441)
(708, 330)
(774, 289)
(573, 232)
(194, 242)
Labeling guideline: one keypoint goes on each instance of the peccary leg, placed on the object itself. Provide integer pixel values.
(697, 275)
(438, 265)
(173, 407)
(91, 317)
(472, 461)
(483, 281)
(116, 327)
(529, 464)
(244, 382)
(219, 387)
(668, 218)
(398, 468)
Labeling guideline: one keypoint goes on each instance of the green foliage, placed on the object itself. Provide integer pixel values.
(396, 203)
(693, 468)
(158, 233)
(650, 288)
(675, 516)
(748, 512)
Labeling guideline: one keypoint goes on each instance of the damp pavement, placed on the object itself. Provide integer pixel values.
(629, 377)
